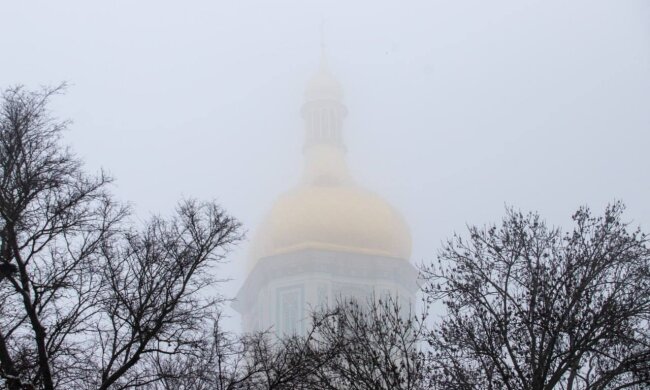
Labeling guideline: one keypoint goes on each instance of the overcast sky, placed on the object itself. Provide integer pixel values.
(456, 108)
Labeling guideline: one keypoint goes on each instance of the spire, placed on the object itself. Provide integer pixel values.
(323, 60)
(323, 110)
(323, 113)
(323, 85)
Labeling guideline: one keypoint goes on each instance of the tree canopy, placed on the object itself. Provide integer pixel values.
(531, 307)
(86, 294)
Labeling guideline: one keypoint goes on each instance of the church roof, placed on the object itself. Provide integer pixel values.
(328, 211)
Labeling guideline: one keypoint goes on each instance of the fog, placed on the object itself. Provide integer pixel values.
(456, 109)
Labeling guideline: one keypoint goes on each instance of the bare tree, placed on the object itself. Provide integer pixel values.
(153, 302)
(528, 307)
(258, 361)
(221, 360)
(370, 345)
(53, 219)
(350, 346)
(85, 296)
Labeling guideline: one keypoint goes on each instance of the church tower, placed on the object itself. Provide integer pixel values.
(327, 238)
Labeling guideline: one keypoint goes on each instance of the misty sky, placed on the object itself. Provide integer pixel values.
(456, 108)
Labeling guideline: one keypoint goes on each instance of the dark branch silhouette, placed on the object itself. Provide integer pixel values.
(530, 307)
(85, 295)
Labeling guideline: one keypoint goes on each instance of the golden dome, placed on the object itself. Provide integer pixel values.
(328, 211)
(333, 218)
